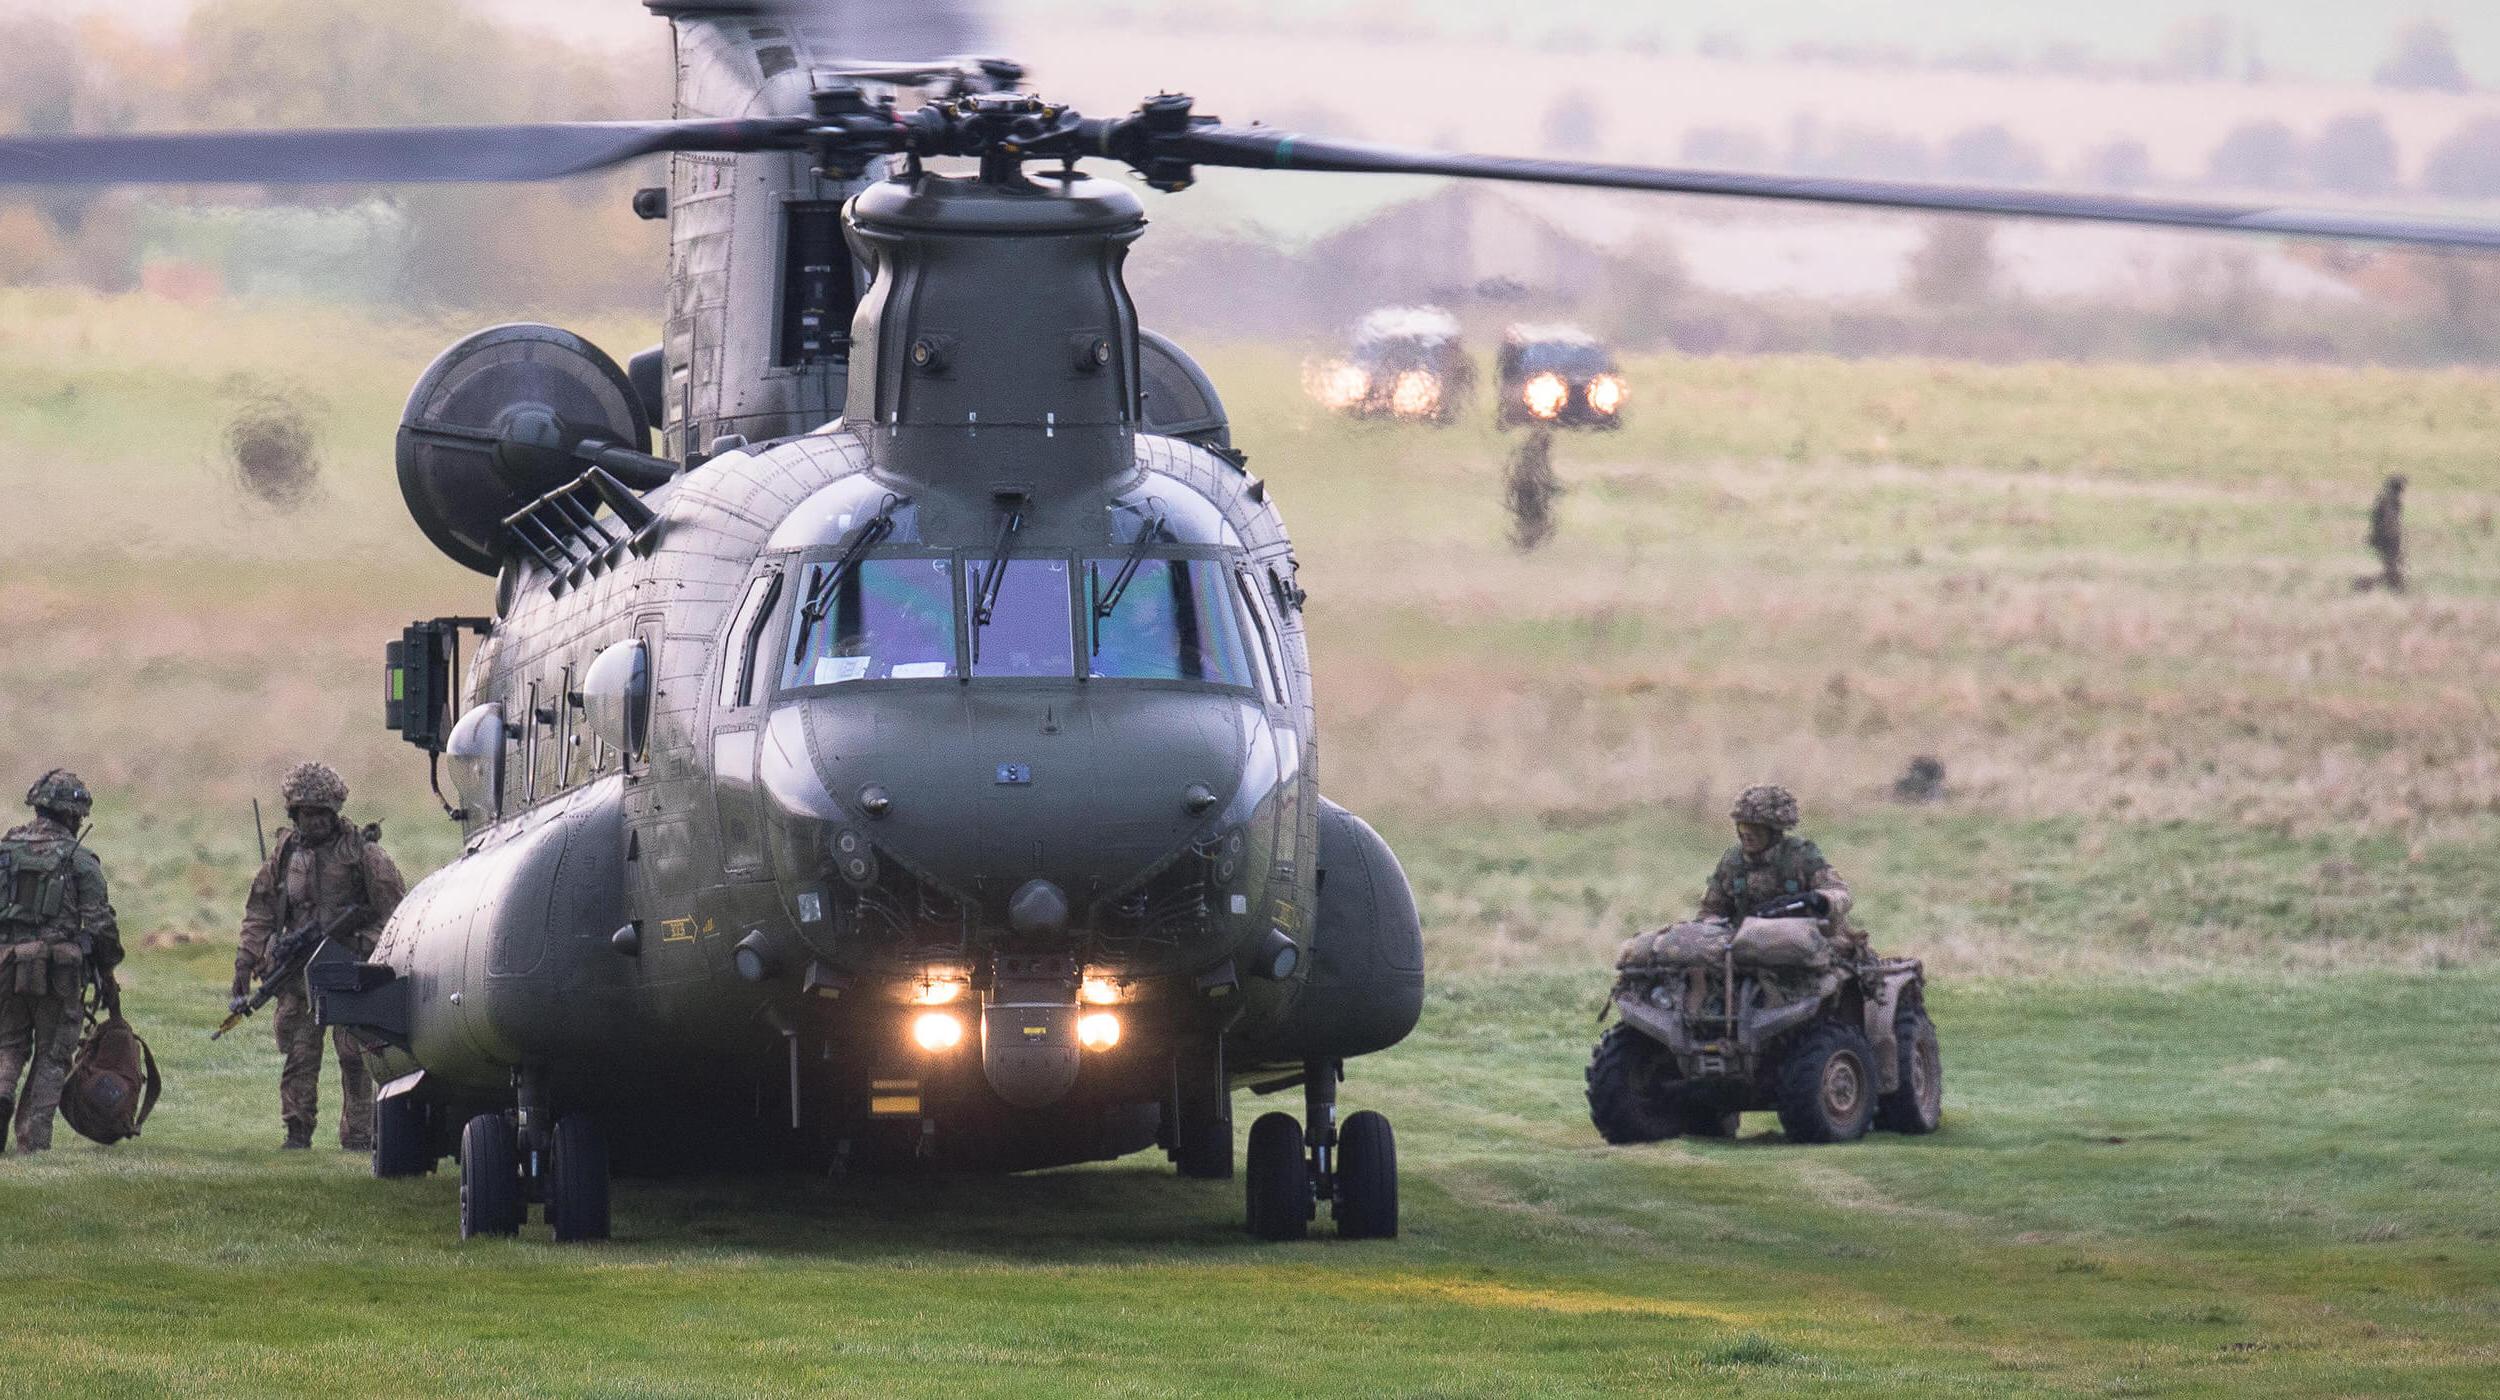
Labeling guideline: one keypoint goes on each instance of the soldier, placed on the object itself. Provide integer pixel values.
(2387, 535)
(56, 931)
(322, 866)
(1768, 865)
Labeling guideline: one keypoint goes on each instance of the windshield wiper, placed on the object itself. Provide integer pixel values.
(986, 606)
(823, 584)
(1147, 534)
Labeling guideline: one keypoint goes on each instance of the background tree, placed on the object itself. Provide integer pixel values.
(2467, 164)
(2355, 155)
(2263, 155)
(2425, 60)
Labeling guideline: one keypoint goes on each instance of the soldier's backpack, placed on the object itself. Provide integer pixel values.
(113, 1083)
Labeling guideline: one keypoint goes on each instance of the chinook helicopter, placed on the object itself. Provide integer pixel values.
(912, 761)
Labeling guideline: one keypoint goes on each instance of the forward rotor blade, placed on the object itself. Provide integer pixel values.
(1260, 149)
(374, 155)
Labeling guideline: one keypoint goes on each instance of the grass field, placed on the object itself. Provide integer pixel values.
(2209, 904)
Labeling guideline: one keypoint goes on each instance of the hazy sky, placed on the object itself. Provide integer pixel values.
(2333, 39)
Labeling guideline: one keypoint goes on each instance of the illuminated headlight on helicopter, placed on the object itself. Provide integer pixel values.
(936, 991)
(1099, 991)
(1545, 394)
(1606, 394)
(1098, 1030)
(1338, 385)
(937, 1031)
(1416, 393)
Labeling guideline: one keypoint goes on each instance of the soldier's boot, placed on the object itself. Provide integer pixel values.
(298, 1138)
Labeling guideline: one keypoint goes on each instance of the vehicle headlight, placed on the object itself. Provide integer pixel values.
(1099, 991)
(1339, 385)
(1606, 394)
(934, 1031)
(1416, 394)
(1545, 394)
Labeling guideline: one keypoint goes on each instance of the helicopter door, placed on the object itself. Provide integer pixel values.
(737, 725)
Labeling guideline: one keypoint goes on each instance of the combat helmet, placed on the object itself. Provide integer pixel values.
(1766, 804)
(60, 791)
(313, 785)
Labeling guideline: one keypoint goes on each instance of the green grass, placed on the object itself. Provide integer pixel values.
(2208, 904)
(2208, 1186)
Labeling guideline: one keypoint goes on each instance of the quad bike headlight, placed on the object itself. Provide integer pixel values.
(1606, 394)
(1545, 394)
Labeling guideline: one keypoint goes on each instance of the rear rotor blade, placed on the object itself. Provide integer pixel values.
(1258, 148)
(374, 155)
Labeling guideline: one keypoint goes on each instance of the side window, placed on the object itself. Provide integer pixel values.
(547, 714)
(745, 642)
(1271, 675)
(529, 746)
(568, 732)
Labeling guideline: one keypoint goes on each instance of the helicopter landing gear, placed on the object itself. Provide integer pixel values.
(1353, 1169)
(490, 1178)
(577, 1180)
(1202, 1114)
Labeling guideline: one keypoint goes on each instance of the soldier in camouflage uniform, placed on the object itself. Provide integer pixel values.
(1768, 866)
(56, 931)
(322, 866)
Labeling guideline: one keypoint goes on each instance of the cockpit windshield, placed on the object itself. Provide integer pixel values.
(1165, 620)
(881, 619)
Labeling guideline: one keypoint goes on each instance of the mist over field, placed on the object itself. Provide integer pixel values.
(2207, 894)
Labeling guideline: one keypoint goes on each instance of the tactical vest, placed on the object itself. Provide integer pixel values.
(34, 888)
(351, 842)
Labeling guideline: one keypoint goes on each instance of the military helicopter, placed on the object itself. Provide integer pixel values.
(912, 762)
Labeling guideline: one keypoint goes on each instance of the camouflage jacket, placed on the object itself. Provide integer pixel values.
(1742, 884)
(303, 882)
(82, 914)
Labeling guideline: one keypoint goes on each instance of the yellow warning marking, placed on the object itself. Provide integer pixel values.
(893, 1105)
(895, 1086)
(708, 930)
(679, 930)
(1036, 1030)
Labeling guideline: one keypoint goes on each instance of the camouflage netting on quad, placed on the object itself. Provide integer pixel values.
(1781, 943)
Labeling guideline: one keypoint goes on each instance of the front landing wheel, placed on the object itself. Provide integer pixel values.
(490, 1178)
(1278, 1175)
(577, 1187)
(1367, 1179)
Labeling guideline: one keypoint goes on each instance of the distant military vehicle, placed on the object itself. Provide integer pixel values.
(1558, 376)
(1406, 362)
(1720, 1019)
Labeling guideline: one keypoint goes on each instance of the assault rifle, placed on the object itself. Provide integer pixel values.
(287, 957)
(1813, 904)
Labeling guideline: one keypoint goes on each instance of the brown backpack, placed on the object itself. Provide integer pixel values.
(113, 1083)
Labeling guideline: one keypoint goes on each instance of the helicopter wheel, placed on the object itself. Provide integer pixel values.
(490, 1178)
(1366, 1204)
(577, 1180)
(1279, 1175)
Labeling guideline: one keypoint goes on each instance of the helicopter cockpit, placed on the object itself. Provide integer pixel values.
(1164, 599)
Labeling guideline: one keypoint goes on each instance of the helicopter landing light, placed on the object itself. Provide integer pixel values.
(1098, 1030)
(1098, 991)
(937, 1031)
(936, 992)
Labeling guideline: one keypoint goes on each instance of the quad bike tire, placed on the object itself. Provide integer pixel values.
(1631, 1088)
(1917, 1106)
(1827, 1086)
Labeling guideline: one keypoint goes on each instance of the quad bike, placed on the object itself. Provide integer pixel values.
(1776, 1013)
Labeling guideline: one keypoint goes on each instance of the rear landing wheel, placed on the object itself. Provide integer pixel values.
(1367, 1179)
(577, 1185)
(1279, 1179)
(490, 1178)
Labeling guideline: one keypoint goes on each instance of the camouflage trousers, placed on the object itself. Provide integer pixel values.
(43, 1029)
(299, 1079)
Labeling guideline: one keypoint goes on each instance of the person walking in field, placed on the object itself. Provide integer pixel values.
(2387, 536)
(57, 930)
(322, 867)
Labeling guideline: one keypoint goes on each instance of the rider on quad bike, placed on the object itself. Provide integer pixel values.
(1769, 999)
